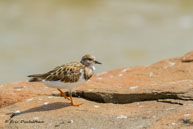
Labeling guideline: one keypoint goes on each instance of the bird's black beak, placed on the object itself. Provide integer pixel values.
(96, 62)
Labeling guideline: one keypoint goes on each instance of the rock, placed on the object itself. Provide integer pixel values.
(156, 96)
(58, 113)
(187, 57)
(169, 78)
(14, 92)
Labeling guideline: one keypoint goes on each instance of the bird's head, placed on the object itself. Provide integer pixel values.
(89, 60)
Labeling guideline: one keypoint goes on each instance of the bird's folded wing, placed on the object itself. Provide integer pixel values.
(65, 73)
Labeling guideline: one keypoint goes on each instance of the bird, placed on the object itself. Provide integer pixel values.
(68, 76)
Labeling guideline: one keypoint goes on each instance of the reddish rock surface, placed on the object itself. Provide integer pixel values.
(14, 92)
(58, 113)
(183, 119)
(169, 78)
(188, 57)
(156, 96)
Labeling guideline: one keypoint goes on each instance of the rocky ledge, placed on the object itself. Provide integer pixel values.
(157, 96)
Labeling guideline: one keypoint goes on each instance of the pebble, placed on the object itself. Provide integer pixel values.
(120, 75)
(186, 115)
(125, 70)
(49, 97)
(96, 106)
(122, 117)
(170, 109)
(28, 100)
(71, 121)
(46, 103)
(101, 73)
(171, 63)
(17, 111)
(111, 76)
(40, 99)
(154, 117)
(172, 82)
(151, 74)
(133, 87)
(99, 78)
(90, 89)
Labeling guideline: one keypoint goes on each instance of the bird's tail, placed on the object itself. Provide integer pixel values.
(35, 77)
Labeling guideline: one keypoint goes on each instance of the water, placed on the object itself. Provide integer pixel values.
(36, 36)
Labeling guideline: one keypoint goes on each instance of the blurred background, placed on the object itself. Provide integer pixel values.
(38, 35)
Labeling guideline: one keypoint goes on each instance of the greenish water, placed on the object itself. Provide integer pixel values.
(36, 36)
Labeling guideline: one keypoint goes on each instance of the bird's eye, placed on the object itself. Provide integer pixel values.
(89, 59)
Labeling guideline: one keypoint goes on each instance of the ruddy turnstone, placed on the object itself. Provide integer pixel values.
(68, 76)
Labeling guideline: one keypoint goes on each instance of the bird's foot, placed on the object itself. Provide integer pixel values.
(75, 104)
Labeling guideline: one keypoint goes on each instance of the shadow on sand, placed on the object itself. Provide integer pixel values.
(48, 107)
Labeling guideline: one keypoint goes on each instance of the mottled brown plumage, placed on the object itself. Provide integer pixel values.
(66, 73)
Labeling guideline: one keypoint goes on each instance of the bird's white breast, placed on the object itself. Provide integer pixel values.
(92, 67)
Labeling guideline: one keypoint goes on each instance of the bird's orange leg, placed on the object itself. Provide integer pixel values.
(62, 93)
(72, 101)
